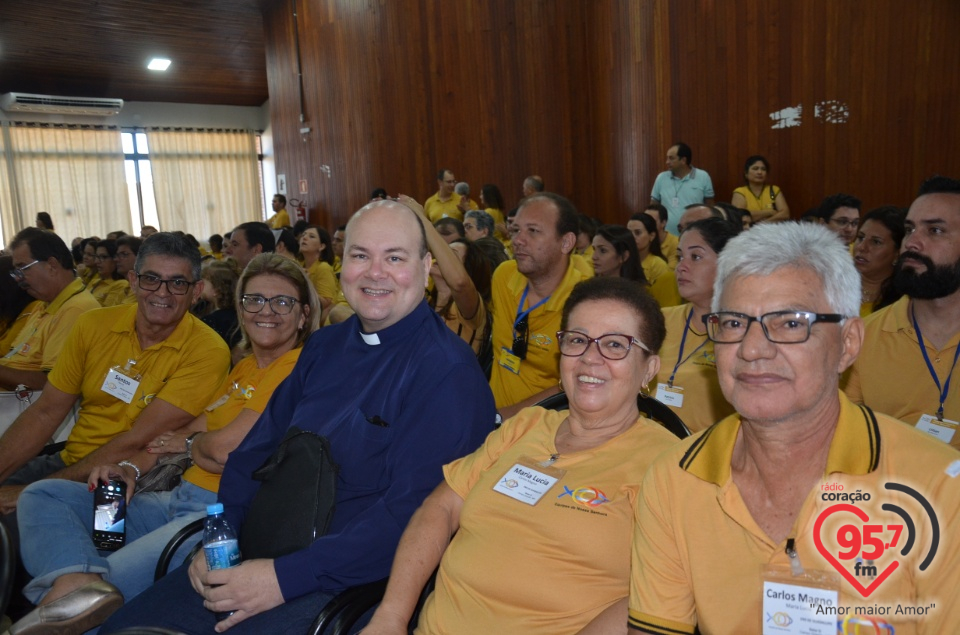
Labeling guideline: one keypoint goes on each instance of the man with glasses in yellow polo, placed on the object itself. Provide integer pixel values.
(739, 529)
(138, 370)
(43, 266)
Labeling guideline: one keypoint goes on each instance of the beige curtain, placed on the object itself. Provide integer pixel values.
(206, 181)
(74, 173)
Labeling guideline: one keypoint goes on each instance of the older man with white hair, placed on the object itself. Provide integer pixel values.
(739, 529)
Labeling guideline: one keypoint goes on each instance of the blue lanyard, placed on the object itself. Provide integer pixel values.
(520, 312)
(683, 340)
(944, 390)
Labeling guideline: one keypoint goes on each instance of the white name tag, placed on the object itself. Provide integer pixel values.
(791, 609)
(670, 395)
(525, 484)
(943, 430)
(120, 386)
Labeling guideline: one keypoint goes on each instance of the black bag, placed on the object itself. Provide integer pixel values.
(295, 503)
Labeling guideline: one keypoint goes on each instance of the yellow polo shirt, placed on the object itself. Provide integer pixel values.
(324, 280)
(547, 568)
(540, 369)
(584, 264)
(698, 553)
(246, 388)
(184, 370)
(891, 376)
(13, 330)
(669, 248)
(496, 214)
(110, 292)
(663, 282)
(703, 402)
(437, 209)
(43, 336)
(279, 220)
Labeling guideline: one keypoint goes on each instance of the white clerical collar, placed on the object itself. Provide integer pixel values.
(372, 339)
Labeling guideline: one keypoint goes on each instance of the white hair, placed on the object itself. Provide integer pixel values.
(462, 188)
(768, 247)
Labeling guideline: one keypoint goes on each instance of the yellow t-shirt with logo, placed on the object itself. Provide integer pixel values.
(43, 336)
(703, 401)
(553, 566)
(246, 388)
(184, 370)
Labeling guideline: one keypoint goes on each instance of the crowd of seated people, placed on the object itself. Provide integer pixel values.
(560, 303)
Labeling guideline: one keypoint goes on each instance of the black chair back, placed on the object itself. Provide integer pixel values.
(649, 407)
(8, 567)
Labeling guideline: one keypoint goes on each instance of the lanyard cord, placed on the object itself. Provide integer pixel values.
(944, 390)
(683, 340)
(523, 299)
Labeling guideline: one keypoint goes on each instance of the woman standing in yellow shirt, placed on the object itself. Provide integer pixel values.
(764, 202)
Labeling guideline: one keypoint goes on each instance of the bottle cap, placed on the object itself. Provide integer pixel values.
(216, 508)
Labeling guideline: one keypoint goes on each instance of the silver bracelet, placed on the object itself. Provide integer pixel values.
(135, 468)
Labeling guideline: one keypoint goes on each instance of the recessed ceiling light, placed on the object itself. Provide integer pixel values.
(158, 64)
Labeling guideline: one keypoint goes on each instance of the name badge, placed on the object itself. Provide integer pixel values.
(526, 483)
(670, 395)
(120, 386)
(509, 361)
(674, 202)
(219, 402)
(790, 609)
(943, 430)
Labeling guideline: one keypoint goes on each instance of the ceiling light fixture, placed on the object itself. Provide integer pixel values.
(159, 64)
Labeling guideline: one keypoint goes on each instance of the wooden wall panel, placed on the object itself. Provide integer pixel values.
(590, 94)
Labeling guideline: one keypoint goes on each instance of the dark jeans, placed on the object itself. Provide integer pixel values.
(173, 604)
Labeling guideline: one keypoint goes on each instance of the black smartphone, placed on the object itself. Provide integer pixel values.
(109, 515)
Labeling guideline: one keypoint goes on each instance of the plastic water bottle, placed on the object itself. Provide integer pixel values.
(220, 546)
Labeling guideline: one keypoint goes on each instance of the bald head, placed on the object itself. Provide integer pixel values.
(396, 215)
(694, 213)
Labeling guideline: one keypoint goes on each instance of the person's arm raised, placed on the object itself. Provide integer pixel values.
(461, 286)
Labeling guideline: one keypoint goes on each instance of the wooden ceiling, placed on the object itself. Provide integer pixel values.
(100, 48)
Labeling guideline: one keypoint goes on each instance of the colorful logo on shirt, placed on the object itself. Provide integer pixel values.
(706, 358)
(587, 496)
(780, 619)
(541, 339)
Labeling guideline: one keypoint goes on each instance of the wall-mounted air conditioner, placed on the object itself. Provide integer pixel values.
(91, 106)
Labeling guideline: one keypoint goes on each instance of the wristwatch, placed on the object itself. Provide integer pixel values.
(189, 443)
